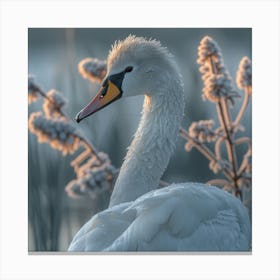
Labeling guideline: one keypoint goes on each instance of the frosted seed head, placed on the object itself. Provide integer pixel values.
(70, 140)
(73, 189)
(204, 69)
(110, 168)
(62, 136)
(104, 157)
(217, 86)
(217, 81)
(50, 131)
(53, 104)
(92, 181)
(208, 48)
(202, 131)
(244, 73)
(93, 69)
(56, 97)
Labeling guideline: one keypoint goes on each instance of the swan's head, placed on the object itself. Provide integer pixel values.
(135, 66)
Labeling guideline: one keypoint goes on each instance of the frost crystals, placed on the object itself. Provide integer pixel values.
(244, 73)
(93, 69)
(59, 133)
(219, 145)
(217, 81)
(93, 169)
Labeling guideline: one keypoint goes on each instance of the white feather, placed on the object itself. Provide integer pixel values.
(182, 217)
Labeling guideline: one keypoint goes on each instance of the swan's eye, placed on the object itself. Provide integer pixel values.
(128, 69)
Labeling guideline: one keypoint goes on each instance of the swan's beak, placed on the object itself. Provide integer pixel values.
(108, 93)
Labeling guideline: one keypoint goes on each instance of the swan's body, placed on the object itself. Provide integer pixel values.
(181, 217)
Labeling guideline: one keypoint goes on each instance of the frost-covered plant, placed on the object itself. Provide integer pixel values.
(53, 104)
(94, 170)
(203, 131)
(59, 132)
(244, 74)
(32, 90)
(92, 178)
(217, 81)
(218, 88)
(92, 69)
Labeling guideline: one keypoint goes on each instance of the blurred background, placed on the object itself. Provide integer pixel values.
(53, 55)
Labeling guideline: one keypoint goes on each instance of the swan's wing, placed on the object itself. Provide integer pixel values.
(187, 217)
(103, 229)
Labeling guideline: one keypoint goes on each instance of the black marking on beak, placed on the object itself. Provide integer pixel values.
(117, 79)
(99, 101)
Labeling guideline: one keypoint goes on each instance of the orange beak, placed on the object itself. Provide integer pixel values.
(108, 93)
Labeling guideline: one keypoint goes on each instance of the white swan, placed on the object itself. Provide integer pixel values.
(181, 217)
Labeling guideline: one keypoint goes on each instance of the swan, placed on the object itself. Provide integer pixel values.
(140, 217)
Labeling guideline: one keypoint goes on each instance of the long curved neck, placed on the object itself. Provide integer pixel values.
(152, 146)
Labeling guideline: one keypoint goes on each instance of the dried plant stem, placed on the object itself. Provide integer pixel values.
(85, 142)
(219, 90)
(203, 150)
(225, 121)
(243, 164)
(90, 147)
(75, 163)
(243, 107)
(226, 111)
(81, 157)
(241, 170)
(242, 140)
(230, 147)
(218, 148)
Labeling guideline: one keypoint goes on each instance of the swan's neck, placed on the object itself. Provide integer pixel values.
(152, 146)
